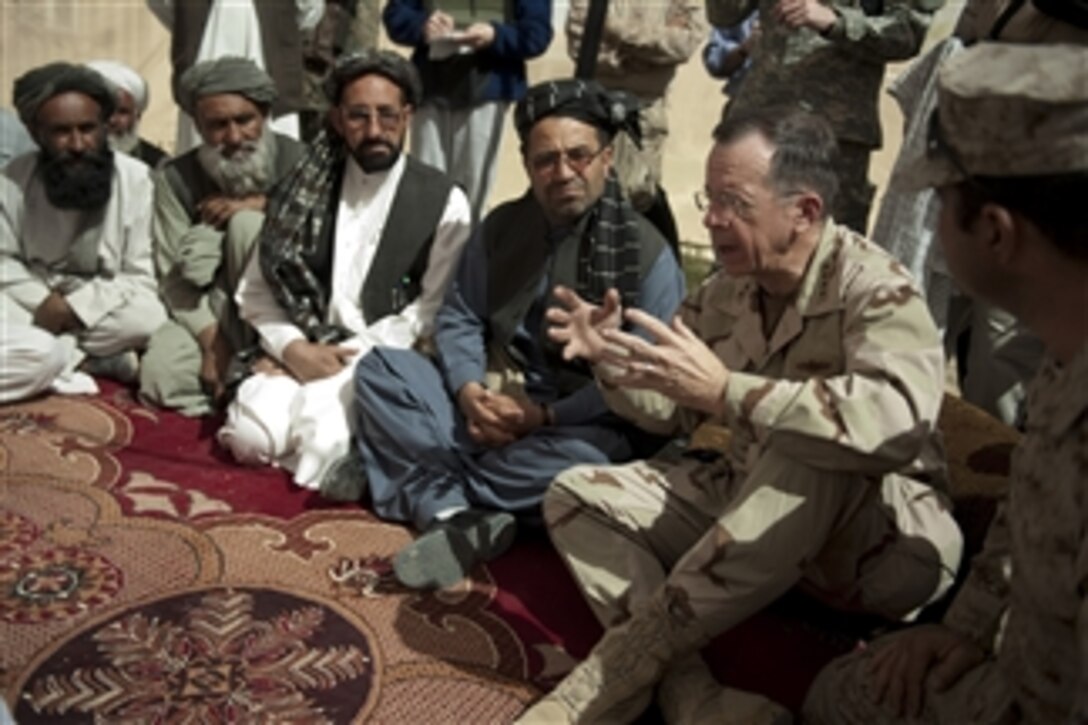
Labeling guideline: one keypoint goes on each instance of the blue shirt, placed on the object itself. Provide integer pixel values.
(461, 324)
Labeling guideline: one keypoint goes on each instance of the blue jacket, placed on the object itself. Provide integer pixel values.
(528, 36)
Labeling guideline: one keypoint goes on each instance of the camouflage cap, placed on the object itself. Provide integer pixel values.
(1007, 110)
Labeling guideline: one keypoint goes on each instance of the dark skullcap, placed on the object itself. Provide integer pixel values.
(588, 101)
(386, 63)
(229, 74)
(35, 87)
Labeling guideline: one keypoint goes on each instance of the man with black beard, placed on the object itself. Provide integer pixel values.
(77, 289)
(357, 248)
(209, 206)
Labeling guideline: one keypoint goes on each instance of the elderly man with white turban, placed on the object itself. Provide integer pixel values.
(209, 207)
(131, 97)
(76, 282)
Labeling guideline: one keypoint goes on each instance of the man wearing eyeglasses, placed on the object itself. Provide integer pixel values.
(209, 206)
(813, 347)
(1009, 160)
(357, 248)
(463, 445)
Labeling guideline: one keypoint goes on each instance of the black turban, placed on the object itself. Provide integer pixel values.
(385, 63)
(588, 101)
(35, 87)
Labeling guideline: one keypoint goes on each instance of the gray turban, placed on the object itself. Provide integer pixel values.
(229, 74)
(587, 101)
(35, 87)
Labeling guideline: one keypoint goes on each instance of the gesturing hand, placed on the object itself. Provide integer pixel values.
(313, 361)
(900, 668)
(578, 327)
(677, 364)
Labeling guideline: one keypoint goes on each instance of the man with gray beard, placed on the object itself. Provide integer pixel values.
(209, 207)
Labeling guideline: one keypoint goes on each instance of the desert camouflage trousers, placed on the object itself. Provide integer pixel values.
(733, 544)
(842, 695)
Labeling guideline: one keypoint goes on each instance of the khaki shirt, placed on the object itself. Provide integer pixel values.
(1027, 594)
(851, 379)
(642, 43)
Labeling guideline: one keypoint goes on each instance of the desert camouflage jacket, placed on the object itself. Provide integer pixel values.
(642, 43)
(851, 378)
(1025, 597)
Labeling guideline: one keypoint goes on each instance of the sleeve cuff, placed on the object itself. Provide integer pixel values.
(737, 391)
(82, 303)
(975, 614)
(462, 375)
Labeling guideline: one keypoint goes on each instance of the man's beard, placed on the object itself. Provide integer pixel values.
(77, 182)
(125, 142)
(247, 172)
(373, 163)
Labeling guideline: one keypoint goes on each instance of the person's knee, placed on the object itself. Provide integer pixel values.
(258, 425)
(30, 361)
(570, 492)
(130, 327)
(382, 376)
(241, 233)
(48, 357)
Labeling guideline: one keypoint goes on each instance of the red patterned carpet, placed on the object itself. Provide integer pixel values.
(144, 578)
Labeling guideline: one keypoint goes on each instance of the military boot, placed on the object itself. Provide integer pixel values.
(689, 695)
(613, 684)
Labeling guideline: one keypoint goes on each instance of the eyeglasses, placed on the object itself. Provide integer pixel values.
(723, 201)
(388, 118)
(577, 158)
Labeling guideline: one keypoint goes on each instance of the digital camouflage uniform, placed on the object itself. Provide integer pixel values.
(641, 47)
(1024, 600)
(835, 469)
(838, 75)
(1012, 111)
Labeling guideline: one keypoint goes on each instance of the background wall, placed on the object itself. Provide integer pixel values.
(33, 32)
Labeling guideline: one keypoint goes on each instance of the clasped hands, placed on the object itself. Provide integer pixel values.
(496, 419)
(676, 363)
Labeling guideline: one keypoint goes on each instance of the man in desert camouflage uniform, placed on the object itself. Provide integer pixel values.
(814, 348)
(1009, 158)
(829, 57)
(642, 45)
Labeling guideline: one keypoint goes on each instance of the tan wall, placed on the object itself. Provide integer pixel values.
(33, 32)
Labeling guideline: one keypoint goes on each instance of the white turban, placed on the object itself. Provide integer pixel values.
(125, 78)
